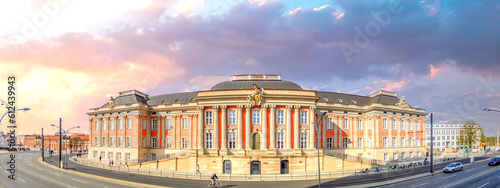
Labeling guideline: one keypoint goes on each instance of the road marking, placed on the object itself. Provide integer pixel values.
(78, 180)
(47, 178)
(470, 170)
(484, 184)
(469, 178)
(449, 176)
(21, 180)
(55, 174)
(419, 185)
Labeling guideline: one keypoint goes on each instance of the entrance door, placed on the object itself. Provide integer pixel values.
(255, 167)
(284, 167)
(256, 141)
(227, 167)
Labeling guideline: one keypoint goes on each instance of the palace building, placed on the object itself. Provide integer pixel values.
(256, 124)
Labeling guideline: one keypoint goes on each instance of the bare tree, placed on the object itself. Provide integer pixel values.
(470, 133)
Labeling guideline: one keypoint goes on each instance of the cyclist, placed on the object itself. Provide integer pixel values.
(214, 176)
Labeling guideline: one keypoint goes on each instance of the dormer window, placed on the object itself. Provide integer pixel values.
(340, 100)
(353, 101)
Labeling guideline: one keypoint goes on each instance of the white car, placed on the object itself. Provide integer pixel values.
(452, 167)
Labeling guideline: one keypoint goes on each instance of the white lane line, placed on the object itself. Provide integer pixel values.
(419, 185)
(470, 170)
(449, 176)
(21, 180)
(484, 184)
(469, 178)
(55, 174)
(78, 180)
(46, 178)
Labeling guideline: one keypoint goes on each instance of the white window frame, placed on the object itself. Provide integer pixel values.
(417, 126)
(395, 156)
(394, 126)
(154, 124)
(184, 122)
(329, 123)
(129, 123)
(402, 141)
(256, 117)
(103, 140)
(104, 124)
(418, 142)
(208, 141)
(143, 142)
(384, 142)
(384, 123)
(169, 124)
(402, 125)
(394, 142)
(120, 124)
(144, 123)
(410, 141)
(303, 140)
(280, 117)
(110, 155)
(329, 142)
(231, 140)
(369, 124)
(403, 155)
(184, 142)
(96, 141)
(345, 123)
(280, 140)
(96, 125)
(232, 117)
(111, 124)
(111, 141)
(153, 142)
(386, 156)
(129, 141)
(96, 154)
(411, 155)
(360, 124)
(127, 156)
(360, 142)
(208, 117)
(345, 142)
(410, 125)
(303, 117)
(119, 140)
(370, 140)
(153, 156)
(168, 142)
(118, 156)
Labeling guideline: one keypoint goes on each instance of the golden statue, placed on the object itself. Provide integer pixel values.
(256, 97)
(111, 101)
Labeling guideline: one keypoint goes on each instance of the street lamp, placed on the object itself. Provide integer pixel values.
(22, 109)
(60, 141)
(494, 110)
(320, 115)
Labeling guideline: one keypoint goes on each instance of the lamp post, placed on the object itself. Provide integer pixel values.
(60, 143)
(494, 110)
(22, 109)
(320, 115)
(432, 148)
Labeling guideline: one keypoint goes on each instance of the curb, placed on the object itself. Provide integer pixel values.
(112, 180)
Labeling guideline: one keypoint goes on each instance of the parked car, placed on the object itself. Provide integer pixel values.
(494, 161)
(453, 167)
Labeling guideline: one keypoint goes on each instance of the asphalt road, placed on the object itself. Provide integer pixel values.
(478, 175)
(31, 173)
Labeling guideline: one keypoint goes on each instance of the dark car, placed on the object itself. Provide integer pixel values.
(494, 161)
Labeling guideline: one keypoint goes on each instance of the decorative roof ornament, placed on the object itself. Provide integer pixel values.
(402, 103)
(111, 103)
(256, 98)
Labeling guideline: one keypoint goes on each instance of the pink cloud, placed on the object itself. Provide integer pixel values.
(434, 70)
(394, 86)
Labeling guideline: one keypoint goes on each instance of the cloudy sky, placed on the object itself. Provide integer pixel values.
(68, 55)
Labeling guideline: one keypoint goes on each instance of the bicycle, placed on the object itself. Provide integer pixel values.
(217, 183)
(365, 171)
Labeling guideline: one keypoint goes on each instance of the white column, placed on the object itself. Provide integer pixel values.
(296, 125)
(323, 129)
(288, 127)
(273, 127)
(200, 127)
(248, 110)
(263, 138)
(312, 127)
(223, 127)
(190, 116)
(216, 126)
(240, 126)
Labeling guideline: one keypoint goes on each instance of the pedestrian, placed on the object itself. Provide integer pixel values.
(100, 158)
(109, 163)
(112, 162)
(198, 169)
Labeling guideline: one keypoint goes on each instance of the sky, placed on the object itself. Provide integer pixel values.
(69, 55)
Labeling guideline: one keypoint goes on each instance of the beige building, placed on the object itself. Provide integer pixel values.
(256, 124)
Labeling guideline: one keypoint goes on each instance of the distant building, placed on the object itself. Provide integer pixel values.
(258, 124)
(445, 136)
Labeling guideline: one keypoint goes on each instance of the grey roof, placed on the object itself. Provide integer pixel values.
(355, 99)
(248, 84)
(172, 98)
(154, 100)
